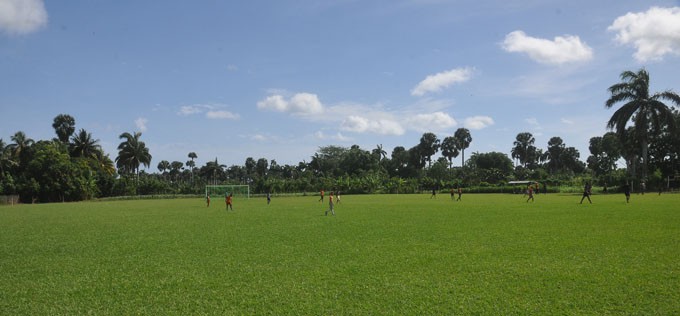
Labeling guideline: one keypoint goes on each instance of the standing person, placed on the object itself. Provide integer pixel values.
(626, 191)
(460, 193)
(207, 199)
(586, 193)
(453, 192)
(330, 204)
(228, 200)
(337, 197)
(434, 193)
(643, 187)
(269, 197)
(530, 191)
(321, 199)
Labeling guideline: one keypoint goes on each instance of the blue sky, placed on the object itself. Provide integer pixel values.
(279, 79)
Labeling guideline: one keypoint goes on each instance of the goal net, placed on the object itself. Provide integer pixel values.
(217, 191)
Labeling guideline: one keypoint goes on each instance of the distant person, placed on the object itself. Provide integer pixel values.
(587, 190)
(434, 193)
(604, 189)
(643, 187)
(207, 199)
(269, 197)
(530, 192)
(626, 191)
(453, 192)
(330, 204)
(321, 193)
(337, 197)
(228, 200)
(537, 189)
(460, 193)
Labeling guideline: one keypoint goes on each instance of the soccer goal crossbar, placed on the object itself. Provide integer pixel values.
(238, 190)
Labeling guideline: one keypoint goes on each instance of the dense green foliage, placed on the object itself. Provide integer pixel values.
(74, 167)
(380, 254)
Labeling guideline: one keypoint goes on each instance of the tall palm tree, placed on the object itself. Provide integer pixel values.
(647, 112)
(5, 158)
(379, 152)
(131, 153)
(429, 145)
(449, 149)
(64, 125)
(83, 145)
(463, 140)
(192, 155)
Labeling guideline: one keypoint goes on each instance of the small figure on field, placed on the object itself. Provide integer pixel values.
(228, 200)
(330, 204)
(337, 197)
(453, 192)
(643, 187)
(460, 193)
(626, 191)
(269, 197)
(207, 200)
(530, 192)
(434, 193)
(537, 189)
(604, 189)
(321, 199)
(586, 192)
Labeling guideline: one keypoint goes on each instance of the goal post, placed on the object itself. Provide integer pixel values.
(238, 190)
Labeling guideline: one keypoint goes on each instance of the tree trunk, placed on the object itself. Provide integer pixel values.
(645, 149)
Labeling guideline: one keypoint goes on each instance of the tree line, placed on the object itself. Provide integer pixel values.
(73, 166)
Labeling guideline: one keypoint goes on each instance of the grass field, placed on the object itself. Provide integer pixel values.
(381, 254)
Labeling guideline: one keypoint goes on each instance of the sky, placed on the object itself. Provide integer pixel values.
(280, 79)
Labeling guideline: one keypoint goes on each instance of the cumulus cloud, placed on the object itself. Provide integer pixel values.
(567, 121)
(141, 124)
(211, 111)
(359, 124)
(478, 122)
(439, 81)
(560, 50)
(337, 137)
(431, 121)
(300, 103)
(22, 16)
(654, 33)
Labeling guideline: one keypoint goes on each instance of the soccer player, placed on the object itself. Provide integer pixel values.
(207, 199)
(460, 193)
(228, 200)
(434, 193)
(330, 204)
(626, 191)
(269, 197)
(337, 197)
(452, 193)
(587, 190)
(321, 199)
(530, 191)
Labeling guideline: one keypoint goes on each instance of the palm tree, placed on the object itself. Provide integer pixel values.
(19, 149)
(463, 140)
(450, 149)
(429, 145)
(163, 166)
(82, 145)
(5, 158)
(64, 125)
(524, 146)
(379, 152)
(192, 156)
(646, 111)
(131, 153)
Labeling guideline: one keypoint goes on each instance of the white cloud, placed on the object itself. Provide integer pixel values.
(141, 124)
(439, 81)
(436, 121)
(301, 103)
(359, 124)
(559, 51)
(211, 111)
(533, 122)
(567, 121)
(221, 115)
(654, 33)
(478, 122)
(22, 16)
(337, 137)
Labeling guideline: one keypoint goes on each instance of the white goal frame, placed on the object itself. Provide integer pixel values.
(239, 190)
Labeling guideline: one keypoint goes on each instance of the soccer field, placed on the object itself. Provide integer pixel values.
(380, 254)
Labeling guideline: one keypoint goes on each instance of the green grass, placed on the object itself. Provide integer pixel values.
(381, 254)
